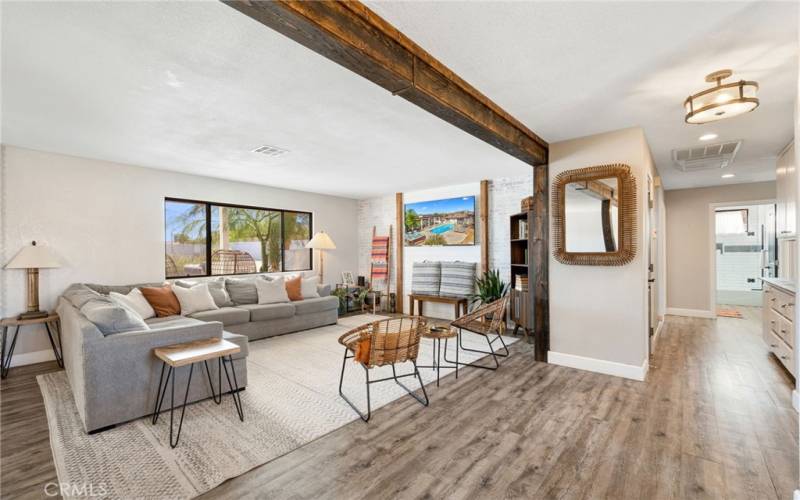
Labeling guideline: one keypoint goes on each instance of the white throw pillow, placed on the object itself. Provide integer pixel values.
(272, 291)
(136, 302)
(195, 299)
(308, 287)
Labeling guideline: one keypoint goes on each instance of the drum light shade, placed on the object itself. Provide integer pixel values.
(724, 100)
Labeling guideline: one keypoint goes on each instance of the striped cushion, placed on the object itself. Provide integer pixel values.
(426, 277)
(458, 279)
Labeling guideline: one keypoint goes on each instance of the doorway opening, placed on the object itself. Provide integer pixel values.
(746, 249)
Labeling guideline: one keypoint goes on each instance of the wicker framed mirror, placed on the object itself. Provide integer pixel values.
(594, 216)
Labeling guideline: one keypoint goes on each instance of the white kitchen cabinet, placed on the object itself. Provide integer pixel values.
(778, 317)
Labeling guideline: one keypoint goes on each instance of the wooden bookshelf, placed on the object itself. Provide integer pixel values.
(521, 310)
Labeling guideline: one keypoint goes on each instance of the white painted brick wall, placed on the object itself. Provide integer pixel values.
(505, 196)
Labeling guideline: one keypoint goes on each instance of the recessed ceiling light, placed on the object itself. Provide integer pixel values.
(728, 176)
(708, 137)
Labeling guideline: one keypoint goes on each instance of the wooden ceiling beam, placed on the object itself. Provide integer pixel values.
(352, 35)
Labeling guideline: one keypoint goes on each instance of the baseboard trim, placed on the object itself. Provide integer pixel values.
(692, 313)
(599, 365)
(30, 358)
(796, 401)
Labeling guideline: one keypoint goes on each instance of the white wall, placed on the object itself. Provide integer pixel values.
(689, 249)
(598, 314)
(106, 222)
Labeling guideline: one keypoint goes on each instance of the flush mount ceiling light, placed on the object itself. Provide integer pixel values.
(708, 137)
(728, 176)
(724, 100)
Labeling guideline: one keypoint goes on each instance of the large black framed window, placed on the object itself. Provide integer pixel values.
(203, 238)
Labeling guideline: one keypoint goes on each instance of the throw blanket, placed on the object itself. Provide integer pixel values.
(380, 258)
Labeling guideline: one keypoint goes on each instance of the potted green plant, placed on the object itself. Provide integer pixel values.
(490, 287)
(341, 294)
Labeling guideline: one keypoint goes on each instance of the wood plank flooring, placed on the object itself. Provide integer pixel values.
(713, 420)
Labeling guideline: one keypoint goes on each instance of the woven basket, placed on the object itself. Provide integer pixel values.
(527, 204)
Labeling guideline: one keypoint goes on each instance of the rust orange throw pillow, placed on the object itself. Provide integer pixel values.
(163, 300)
(362, 351)
(293, 288)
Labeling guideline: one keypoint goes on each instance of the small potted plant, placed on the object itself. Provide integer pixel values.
(341, 294)
(489, 288)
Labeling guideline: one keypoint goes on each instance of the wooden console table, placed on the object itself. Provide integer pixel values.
(458, 302)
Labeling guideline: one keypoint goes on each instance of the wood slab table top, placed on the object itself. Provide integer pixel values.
(198, 350)
(31, 321)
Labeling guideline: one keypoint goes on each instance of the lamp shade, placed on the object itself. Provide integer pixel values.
(33, 256)
(321, 241)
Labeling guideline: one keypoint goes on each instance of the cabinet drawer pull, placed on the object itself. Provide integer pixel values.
(774, 346)
(785, 357)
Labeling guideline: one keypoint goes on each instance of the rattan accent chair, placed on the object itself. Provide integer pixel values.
(486, 320)
(391, 341)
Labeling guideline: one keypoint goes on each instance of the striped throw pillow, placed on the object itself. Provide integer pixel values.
(425, 278)
(458, 279)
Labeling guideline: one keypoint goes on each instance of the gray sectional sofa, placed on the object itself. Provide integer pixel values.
(114, 376)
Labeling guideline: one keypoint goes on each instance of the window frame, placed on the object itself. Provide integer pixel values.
(208, 205)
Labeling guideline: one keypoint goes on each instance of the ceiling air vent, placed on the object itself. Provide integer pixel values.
(706, 157)
(270, 151)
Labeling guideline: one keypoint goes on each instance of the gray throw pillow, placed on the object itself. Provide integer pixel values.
(78, 294)
(216, 288)
(425, 278)
(109, 317)
(242, 291)
(458, 279)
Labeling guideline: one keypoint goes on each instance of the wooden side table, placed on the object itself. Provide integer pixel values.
(189, 353)
(48, 321)
(437, 333)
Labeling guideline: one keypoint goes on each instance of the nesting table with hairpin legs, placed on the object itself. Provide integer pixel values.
(51, 320)
(189, 353)
(437, 333)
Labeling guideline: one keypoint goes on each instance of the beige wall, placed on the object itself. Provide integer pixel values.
(598, 314)
(688, 240)
(106, 222)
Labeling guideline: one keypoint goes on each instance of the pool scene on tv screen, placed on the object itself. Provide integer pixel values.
(440, 222)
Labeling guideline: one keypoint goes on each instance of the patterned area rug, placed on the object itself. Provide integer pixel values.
(291, 399)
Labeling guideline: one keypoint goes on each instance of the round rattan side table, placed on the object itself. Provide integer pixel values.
(437, 334)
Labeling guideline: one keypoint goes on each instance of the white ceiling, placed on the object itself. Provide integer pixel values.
(194, 87)
(569, 69)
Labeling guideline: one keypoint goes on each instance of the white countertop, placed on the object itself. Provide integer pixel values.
(786, 285)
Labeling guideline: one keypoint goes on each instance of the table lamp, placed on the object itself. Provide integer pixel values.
(321, 241)
(33, 258)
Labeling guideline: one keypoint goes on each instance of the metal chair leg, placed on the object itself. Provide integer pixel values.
(491, 352)
(364, 417)
(424, 402)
